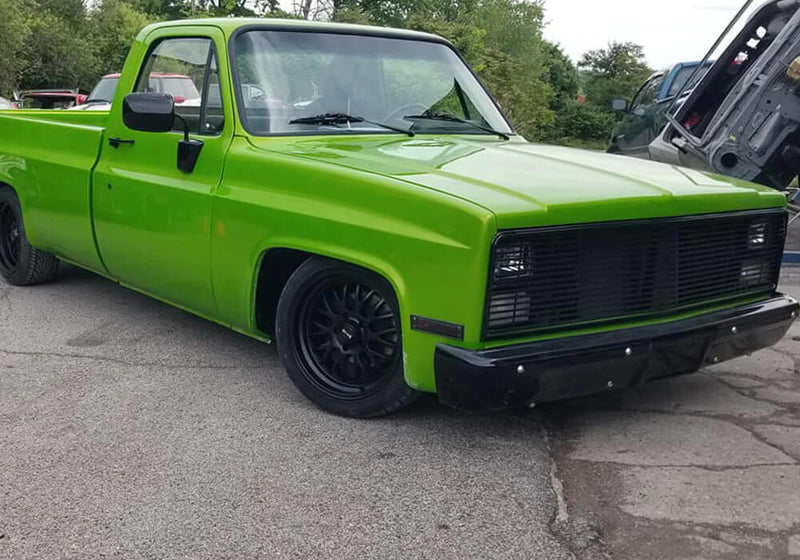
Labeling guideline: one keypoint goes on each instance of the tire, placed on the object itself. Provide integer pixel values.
(20, 263)
(338, 332)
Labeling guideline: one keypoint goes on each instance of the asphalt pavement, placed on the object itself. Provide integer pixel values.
(130, 429)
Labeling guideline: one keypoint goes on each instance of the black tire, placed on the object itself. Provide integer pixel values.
(338, 333)
(20, 263)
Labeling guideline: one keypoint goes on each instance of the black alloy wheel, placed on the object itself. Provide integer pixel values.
(339, 335)
(350, 338)
(10, 238)
(21, 264)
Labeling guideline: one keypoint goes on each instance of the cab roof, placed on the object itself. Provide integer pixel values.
(230, 25)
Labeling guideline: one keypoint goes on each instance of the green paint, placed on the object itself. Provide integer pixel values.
(420, 211)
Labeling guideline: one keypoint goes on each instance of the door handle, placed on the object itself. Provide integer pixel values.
(115, 142)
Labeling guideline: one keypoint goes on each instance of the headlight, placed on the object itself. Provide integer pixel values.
(514, 261)
(754, 274)
(757, 236)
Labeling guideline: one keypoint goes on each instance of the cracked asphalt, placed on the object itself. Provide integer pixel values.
(703, 466)
(130, 429)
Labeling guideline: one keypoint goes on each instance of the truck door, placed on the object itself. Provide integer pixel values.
(635, 131)
(152, 220)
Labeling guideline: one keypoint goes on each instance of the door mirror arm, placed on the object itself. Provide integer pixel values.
(188, 149)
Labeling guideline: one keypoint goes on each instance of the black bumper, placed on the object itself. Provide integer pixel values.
(513, 376)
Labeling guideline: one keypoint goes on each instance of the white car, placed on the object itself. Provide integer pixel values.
(181, 87)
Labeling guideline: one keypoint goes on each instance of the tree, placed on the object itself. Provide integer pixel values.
(56, 52)
(239, 8)
(162, 9)
(14, 29)
(561, 75)
(112, 26)
(180, 9)
(615, 71)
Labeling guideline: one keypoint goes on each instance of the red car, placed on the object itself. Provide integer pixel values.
(49, 99)
(181, 87)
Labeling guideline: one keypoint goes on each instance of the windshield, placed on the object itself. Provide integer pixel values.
(104, 90)
(679, 83)
(298, 75)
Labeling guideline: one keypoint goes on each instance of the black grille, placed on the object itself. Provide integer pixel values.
(546, 278)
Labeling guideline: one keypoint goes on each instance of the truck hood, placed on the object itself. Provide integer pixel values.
(526, 185)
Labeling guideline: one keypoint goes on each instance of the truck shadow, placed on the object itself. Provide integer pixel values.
(164, 329)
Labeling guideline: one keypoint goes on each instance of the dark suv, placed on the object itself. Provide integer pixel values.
(645, 115)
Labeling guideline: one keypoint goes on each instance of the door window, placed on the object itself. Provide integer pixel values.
(187, 69)
(648, 93)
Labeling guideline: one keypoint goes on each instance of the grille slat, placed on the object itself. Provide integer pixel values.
(545, 278)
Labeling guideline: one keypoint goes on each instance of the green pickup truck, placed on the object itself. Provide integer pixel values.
(355, 194)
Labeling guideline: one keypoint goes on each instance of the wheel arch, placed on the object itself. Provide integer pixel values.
(276, 265)
(11, 187)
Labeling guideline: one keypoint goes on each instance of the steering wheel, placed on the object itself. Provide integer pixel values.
(405, 110)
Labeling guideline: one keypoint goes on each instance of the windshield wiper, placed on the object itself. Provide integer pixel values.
(452, 118)
(342, 118)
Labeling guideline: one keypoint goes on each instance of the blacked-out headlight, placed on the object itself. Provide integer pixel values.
(513, 261)
(754, 273)
(757, 236)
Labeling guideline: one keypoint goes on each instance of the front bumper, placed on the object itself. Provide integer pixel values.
(549, 370)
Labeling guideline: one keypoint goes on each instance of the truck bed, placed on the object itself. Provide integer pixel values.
(48, 156)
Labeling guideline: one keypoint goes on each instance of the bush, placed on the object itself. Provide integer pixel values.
(583, 121)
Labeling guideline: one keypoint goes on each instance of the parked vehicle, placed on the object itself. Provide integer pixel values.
(49, 99)
(743, 119)
(180, 86)
(102, 94)
(386, 226)
(5, 103)
(645, 115)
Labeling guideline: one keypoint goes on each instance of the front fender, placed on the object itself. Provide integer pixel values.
(432, 248)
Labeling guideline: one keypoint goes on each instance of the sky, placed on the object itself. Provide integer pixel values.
(670, 31)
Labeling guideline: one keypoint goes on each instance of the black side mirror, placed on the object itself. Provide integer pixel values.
(155, 112)
(188, 152)
(619, 104)
(149, 112)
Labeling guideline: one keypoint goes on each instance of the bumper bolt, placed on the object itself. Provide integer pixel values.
(628, 352)
(716, 359)
(734, 330)
(531, 405)
(794, 314)
(520, 369)
(610, 384)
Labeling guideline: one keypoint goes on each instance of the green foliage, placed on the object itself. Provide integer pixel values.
(55, 52)
(562, 76)
(113, 26)
(616, 71)
(14, 30)
(161, 9)
(64, 43)
(584, 121)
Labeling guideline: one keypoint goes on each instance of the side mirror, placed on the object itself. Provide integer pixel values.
(619, 104)
(149, 112)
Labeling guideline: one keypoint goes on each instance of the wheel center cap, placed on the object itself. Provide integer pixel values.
(347, 334)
